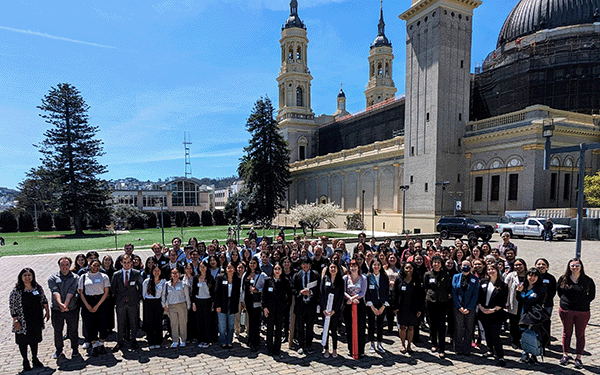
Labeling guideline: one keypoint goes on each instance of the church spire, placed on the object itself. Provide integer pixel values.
(381, 39)
(294, 20)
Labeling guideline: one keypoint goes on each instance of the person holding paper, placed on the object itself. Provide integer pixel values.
(332, 284)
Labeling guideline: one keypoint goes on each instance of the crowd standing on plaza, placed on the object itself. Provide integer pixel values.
(210, 294)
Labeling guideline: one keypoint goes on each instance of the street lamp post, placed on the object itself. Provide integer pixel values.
(547, 132)
(404, 188)
(443, 185)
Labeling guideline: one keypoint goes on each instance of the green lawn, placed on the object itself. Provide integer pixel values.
(54, 242)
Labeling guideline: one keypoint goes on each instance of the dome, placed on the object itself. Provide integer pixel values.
(530, 16)
(341, 94)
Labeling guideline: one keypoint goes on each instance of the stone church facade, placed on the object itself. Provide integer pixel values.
(425, 139)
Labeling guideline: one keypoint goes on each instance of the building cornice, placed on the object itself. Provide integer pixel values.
(422, 5)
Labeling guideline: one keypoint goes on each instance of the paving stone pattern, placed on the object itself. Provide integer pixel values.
(241, 361)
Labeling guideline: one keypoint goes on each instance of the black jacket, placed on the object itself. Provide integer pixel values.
(228, 305)
(378, 294)
(498, 298)
(298, 285)
(209, 281)
(437, 285)
(328, 287)
(276, 294)
(132, 293)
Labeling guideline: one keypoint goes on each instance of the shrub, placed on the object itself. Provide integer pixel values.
(26, 222)
(193, 219)
(206, 219)
(62, 222)
(8, 222)
(45, 222)
(219, 217)
(151, 220)
(180, 219)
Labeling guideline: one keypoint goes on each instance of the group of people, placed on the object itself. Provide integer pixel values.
(211, 293)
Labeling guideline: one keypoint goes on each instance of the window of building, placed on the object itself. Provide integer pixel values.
(411, 179)
(553, 180)
(426, 187)
(459, 142)
(458, 177)
(495, 188)
(299, 98)
(412, 151)
(462, 64)
(478, 189)
(302, 152)
(299, 54)
(460, 117)
(427, 116)
(513, 186)
(567, 187)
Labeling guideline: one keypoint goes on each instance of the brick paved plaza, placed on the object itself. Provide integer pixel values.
(241, 361)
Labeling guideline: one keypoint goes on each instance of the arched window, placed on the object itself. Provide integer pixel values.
(387, 69)
(302, 142)
(379, 70)
(299, 54)
(291, 53)
(299, 97)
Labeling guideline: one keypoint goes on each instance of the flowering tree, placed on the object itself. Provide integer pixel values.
(312, 214)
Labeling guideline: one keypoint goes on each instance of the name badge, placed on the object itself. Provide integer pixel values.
(132, 283)
(432, 280)
(270, 289)
(35, 293)
(251, 281)
(473, 281)
(199, 283)
(546, 281)
(224, 282)
(178, 287)
(163, 262)
(403, 288)
(371, 286)
(97, 281)
(59, 281)
(533, 295)
(327, 283)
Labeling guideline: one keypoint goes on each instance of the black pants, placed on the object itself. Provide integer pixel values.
(109, 303)
(334, 322)
(128, 317)
(492, 328)
(153, 313)
(361, 321)
(515, 330)
(305, 321)
(192, 329)
(375, 323)
(34, 350)
(390, 316)
(438, 312)
(59, 319)
(274, 330)
(286, 321)
(95, 323)
(203, 322)
(253, 326)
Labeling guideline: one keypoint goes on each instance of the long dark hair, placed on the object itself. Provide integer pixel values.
(338, 277)
(376, 259)
(152, 284)
(20, 284)
(566, 278)
(532, 271)
(415, 275)
(499, 281)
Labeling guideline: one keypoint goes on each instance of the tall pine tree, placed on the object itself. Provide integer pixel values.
(70, 155)
(265, 166)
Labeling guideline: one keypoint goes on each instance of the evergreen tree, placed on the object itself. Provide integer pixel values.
(70, 155)
(265, 166)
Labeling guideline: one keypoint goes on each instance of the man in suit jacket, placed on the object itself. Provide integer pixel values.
(126, 287)
(307, 299)
(172, 263)
(465, 292)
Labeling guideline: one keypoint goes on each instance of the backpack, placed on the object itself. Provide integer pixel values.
(531, 343)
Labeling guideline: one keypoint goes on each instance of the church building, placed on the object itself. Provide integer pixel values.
(454, 140)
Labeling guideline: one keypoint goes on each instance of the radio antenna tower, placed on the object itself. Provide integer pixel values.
(188, 163)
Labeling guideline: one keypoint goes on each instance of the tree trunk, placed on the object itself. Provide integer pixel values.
(78, 225)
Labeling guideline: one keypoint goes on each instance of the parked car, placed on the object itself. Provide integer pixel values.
(464, 226)
(533, 227)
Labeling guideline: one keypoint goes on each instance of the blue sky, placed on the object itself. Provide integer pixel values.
(152, 69)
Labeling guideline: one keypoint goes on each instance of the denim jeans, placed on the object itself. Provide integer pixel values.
(226, 324)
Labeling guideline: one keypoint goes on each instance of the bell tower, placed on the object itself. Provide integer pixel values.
(381, 85)
(295, 116)
(438, 60)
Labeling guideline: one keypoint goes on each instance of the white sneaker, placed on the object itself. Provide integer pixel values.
(372, 350)
(86, 345)
(174, 345)
(206, 345)
(380, 347)
(182, 344)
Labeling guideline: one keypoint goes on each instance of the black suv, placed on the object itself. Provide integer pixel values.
(461, 226)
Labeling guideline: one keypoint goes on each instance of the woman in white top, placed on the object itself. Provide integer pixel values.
(152, 291)
(202, 303)
(355, 288)
(93, 289)
(176, 302)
